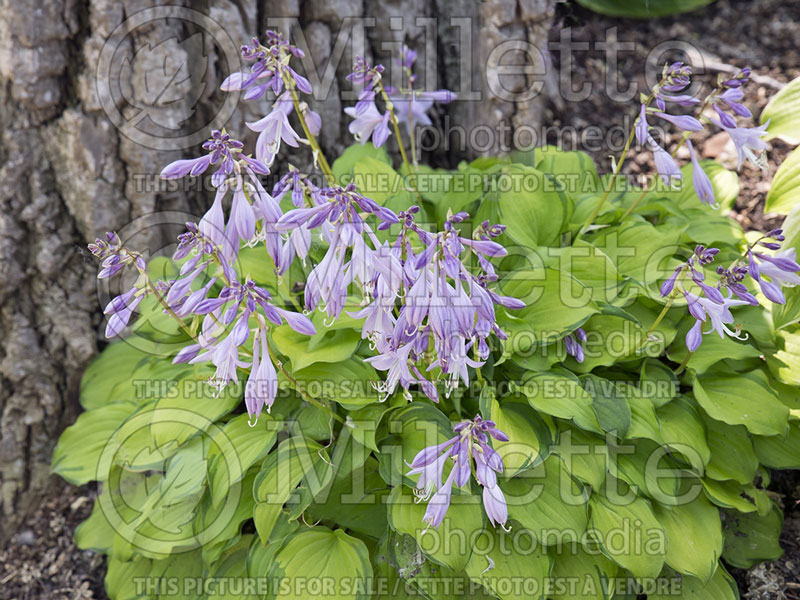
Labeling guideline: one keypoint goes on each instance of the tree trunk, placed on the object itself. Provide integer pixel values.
(97, 95)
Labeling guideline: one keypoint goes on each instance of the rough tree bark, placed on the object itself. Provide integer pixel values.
(67, 173)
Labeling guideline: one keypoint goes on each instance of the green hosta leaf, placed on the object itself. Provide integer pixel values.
(504, 562)
(114, 366)
(590, 266)
(730, 494)
(594, 571)
(239, 449)
(334, 345)
(561, 396)
(780, 452)
(642, 10)
(644, 465)
(449, 544)
(556, 303)
(732, 455)
(323, 555)
(356, 502)
(658, 382)
(376, 179)
(534, 215)
(688, 550)
(784, 192)
(721, 587)
(752, 538)
(575, 170)
(787, 314)
(640, 251)
(683, 431)
(343, 166)
(76, 457)
(296, 460)
(231, 567)
(781, 112)
(787, 358)
(609, 339)
(584, 455)
(348, 382)
(529, 438)
(547, 501)
(609, 405)
(643, 559)
(742, 399)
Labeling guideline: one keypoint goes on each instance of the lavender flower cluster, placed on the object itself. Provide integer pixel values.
(770, 272)
(725, 99)
(408, 105)
(425, 308)
(470, 446)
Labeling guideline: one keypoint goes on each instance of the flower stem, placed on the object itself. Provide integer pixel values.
(400, 145)
(610, 184)
(319, 157)
(166, 306)
(302, 392)
(658, 320)
(684, 363)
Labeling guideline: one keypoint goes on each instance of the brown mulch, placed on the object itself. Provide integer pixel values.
(41, 561)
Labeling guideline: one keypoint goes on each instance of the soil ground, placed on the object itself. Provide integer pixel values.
(41, 562)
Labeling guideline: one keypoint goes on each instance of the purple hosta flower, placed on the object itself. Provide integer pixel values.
(703, 256)
(120, 310)
(337, 212)
(747, 141)
(270, 65)
(665, 165)
(228, 329)
(274, 129)
(773, 272)
(411, 107)
(364, 73)
(701, 182)
(221, 150)
(573, 343)
(470, 443)
(115, 257)
(684, 122)
(675, 77)
(262, 385)
(718, 312)
(741, 78)
(369, 123)
(642, 128)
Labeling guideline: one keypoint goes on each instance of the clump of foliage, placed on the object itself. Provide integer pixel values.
(515, 379)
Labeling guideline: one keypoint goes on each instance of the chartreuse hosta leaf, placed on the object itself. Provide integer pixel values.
(317, 557)
(548, 502)
(533, 217)
(451, 544)
(561, 394)
(732, 455)
(497, 560)
(529, 437)
(695, 555)
(592, 573)
(584, 455)
(556, 303)
(683, 431)
(742, 399)
(296, 460)
(783, 194)
(780, 452)
(752, 538)
(642, 550)
(589, 265)
(333, 343)
(781, 112)
(348, 382)
(712, 351)
(721, 587)
(76, 457)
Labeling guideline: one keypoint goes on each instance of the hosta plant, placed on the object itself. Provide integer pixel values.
(515, 379)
